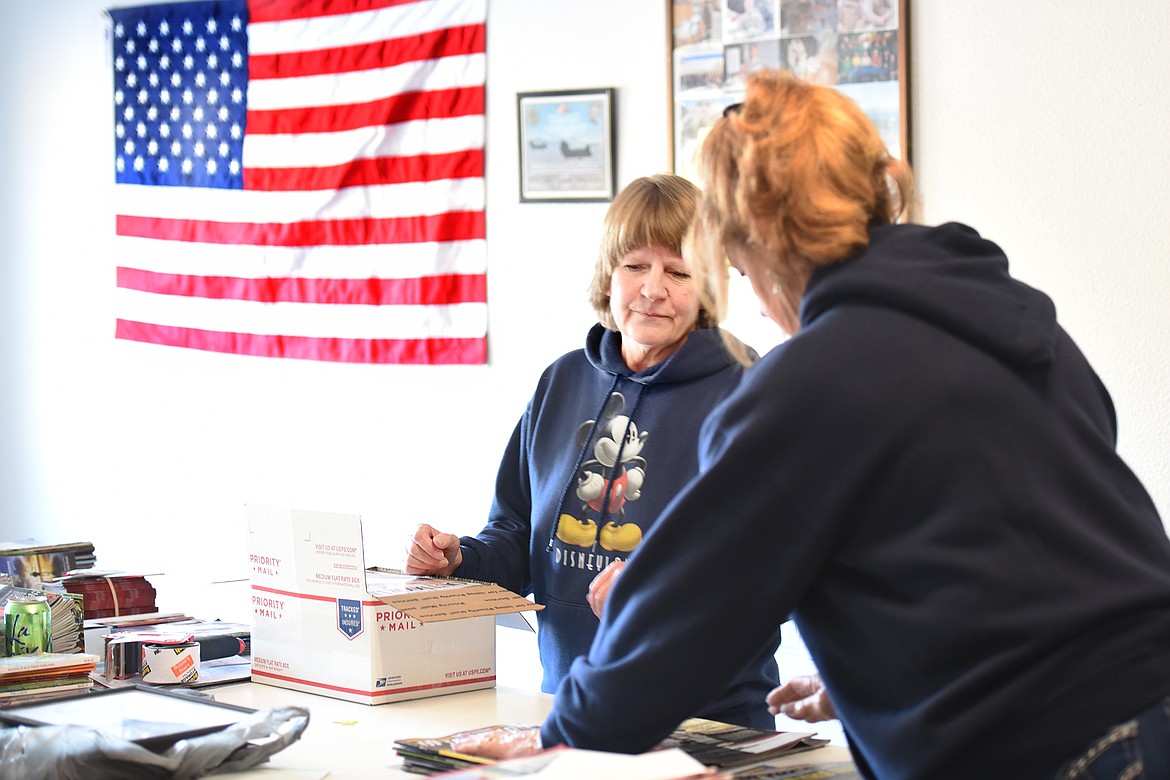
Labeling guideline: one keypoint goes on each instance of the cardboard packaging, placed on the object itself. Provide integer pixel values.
(324, 623)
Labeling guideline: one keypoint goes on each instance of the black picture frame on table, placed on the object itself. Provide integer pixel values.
(154, 718)
(567, 146)
(857, 46)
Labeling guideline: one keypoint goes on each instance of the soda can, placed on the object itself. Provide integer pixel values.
(27, 625)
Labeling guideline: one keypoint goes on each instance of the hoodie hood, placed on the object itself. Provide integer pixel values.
(703, 354)
(950, 277)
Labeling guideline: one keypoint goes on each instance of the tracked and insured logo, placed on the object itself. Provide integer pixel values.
(349, 617)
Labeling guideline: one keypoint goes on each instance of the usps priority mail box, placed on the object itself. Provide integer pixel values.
(323, 623)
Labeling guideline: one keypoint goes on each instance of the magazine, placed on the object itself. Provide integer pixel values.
(725, 745)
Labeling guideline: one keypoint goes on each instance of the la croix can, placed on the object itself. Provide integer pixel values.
(27, 625)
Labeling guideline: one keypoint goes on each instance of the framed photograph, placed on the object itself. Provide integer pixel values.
(566, 145)
(151, 717)
(857, 46)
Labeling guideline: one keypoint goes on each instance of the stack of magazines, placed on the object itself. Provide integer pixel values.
(25, 678)
(112, 595)
(717, 746)
(726, 746)
(30, 564)
(431, 755)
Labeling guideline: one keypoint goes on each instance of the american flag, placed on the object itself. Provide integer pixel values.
(302, 178)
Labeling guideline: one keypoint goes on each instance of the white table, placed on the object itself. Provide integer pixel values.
(347, 741)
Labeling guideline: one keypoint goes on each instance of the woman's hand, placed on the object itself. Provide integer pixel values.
(802, 698)
(500, 743)
(433, 552)
(599, 588)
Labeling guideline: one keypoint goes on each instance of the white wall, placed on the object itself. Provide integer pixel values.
(1042, 123)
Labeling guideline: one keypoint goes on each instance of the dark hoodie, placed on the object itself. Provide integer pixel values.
(925, 478)
(597, 455)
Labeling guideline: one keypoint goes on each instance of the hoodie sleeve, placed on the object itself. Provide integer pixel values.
(500, 552)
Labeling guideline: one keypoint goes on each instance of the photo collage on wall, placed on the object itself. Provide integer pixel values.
(852, 45)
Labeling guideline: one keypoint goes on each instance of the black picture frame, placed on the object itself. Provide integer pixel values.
(154, 718)
(567, 145)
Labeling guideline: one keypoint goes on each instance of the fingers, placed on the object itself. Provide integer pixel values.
(422, 557)
(432, 552)
(808, 710)
(499, 743)
(802, 698)
(795, 689)
(600, 586)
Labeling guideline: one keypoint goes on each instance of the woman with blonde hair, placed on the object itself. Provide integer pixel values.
(924, 477)
(608, 439)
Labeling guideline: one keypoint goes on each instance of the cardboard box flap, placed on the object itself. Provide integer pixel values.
(435, 599)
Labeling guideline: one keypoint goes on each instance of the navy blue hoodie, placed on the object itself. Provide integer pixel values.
(596, 457)
(925, 478)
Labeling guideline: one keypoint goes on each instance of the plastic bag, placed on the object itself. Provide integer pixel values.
(82, 753)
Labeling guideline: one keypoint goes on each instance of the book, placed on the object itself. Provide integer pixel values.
(50, 690)
(42, 665)
(725, 745)
(46, 682)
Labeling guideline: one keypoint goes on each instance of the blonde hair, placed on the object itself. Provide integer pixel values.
(798, 171)
(651, 211)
